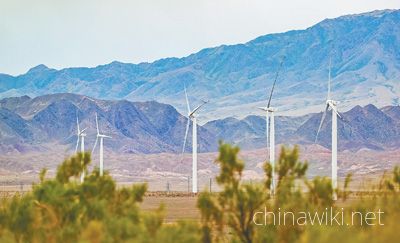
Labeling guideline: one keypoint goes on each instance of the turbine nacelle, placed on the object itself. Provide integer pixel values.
(103, 136)
(332, 102)
(332, 105)
(268, 109)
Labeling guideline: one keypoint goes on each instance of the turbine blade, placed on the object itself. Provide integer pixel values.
(97, 125)
(187, 100)
(77, 124)
(77, 144)
(343, 118)
(267, 128)
(186, 134)
(329, 79)
(273, 85)
(95, 144)
(83, 130)
(346, 123)
(87, 97)
(104, 136)
(333, 107)
(337, 113)
(197, 108)
(320, 124)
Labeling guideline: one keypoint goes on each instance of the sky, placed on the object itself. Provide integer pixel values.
(75, 33)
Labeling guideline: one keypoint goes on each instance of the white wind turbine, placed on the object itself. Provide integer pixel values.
(331, 104)
(270, 131)
(192, 116)
(81, 136)
(101, 136)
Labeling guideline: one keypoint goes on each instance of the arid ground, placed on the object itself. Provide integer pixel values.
(171, 172)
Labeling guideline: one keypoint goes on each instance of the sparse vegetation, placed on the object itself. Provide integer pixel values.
(64, 210)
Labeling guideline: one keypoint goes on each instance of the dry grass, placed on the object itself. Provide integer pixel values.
(178, 206)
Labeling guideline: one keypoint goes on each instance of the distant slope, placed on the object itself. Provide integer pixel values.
(361, 127)
(136, 127)
(365, 51)
(249, 133)
(28, 124)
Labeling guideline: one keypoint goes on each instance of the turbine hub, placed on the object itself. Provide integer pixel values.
(270, 109)
(331, 102)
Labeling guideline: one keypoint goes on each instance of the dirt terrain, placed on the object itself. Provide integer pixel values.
(171, 172)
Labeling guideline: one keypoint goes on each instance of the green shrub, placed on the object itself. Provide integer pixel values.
(64, 210)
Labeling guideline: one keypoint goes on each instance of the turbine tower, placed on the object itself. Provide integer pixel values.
(81, 136)
(270, 130)
(331, 104)
(192, 117)
(101, 136)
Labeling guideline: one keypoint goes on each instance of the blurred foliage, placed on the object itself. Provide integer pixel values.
(232, 209)
(64, 210)
(228, 215)
(394, 184)
(235, 206)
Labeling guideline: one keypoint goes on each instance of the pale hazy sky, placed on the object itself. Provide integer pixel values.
(74, 33)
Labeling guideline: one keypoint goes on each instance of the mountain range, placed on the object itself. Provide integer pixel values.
(364, 49)
(47, 122)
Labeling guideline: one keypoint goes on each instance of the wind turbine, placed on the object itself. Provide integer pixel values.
(81, 136)
(270, 130)
(101, 136)
(331, 104)
(192, 117)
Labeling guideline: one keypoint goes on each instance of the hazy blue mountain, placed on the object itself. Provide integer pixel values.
(151, 127)
(13, 127)
(249, 133)
(392, 111)
(136, 127)
(365, 52)
(360, 127)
